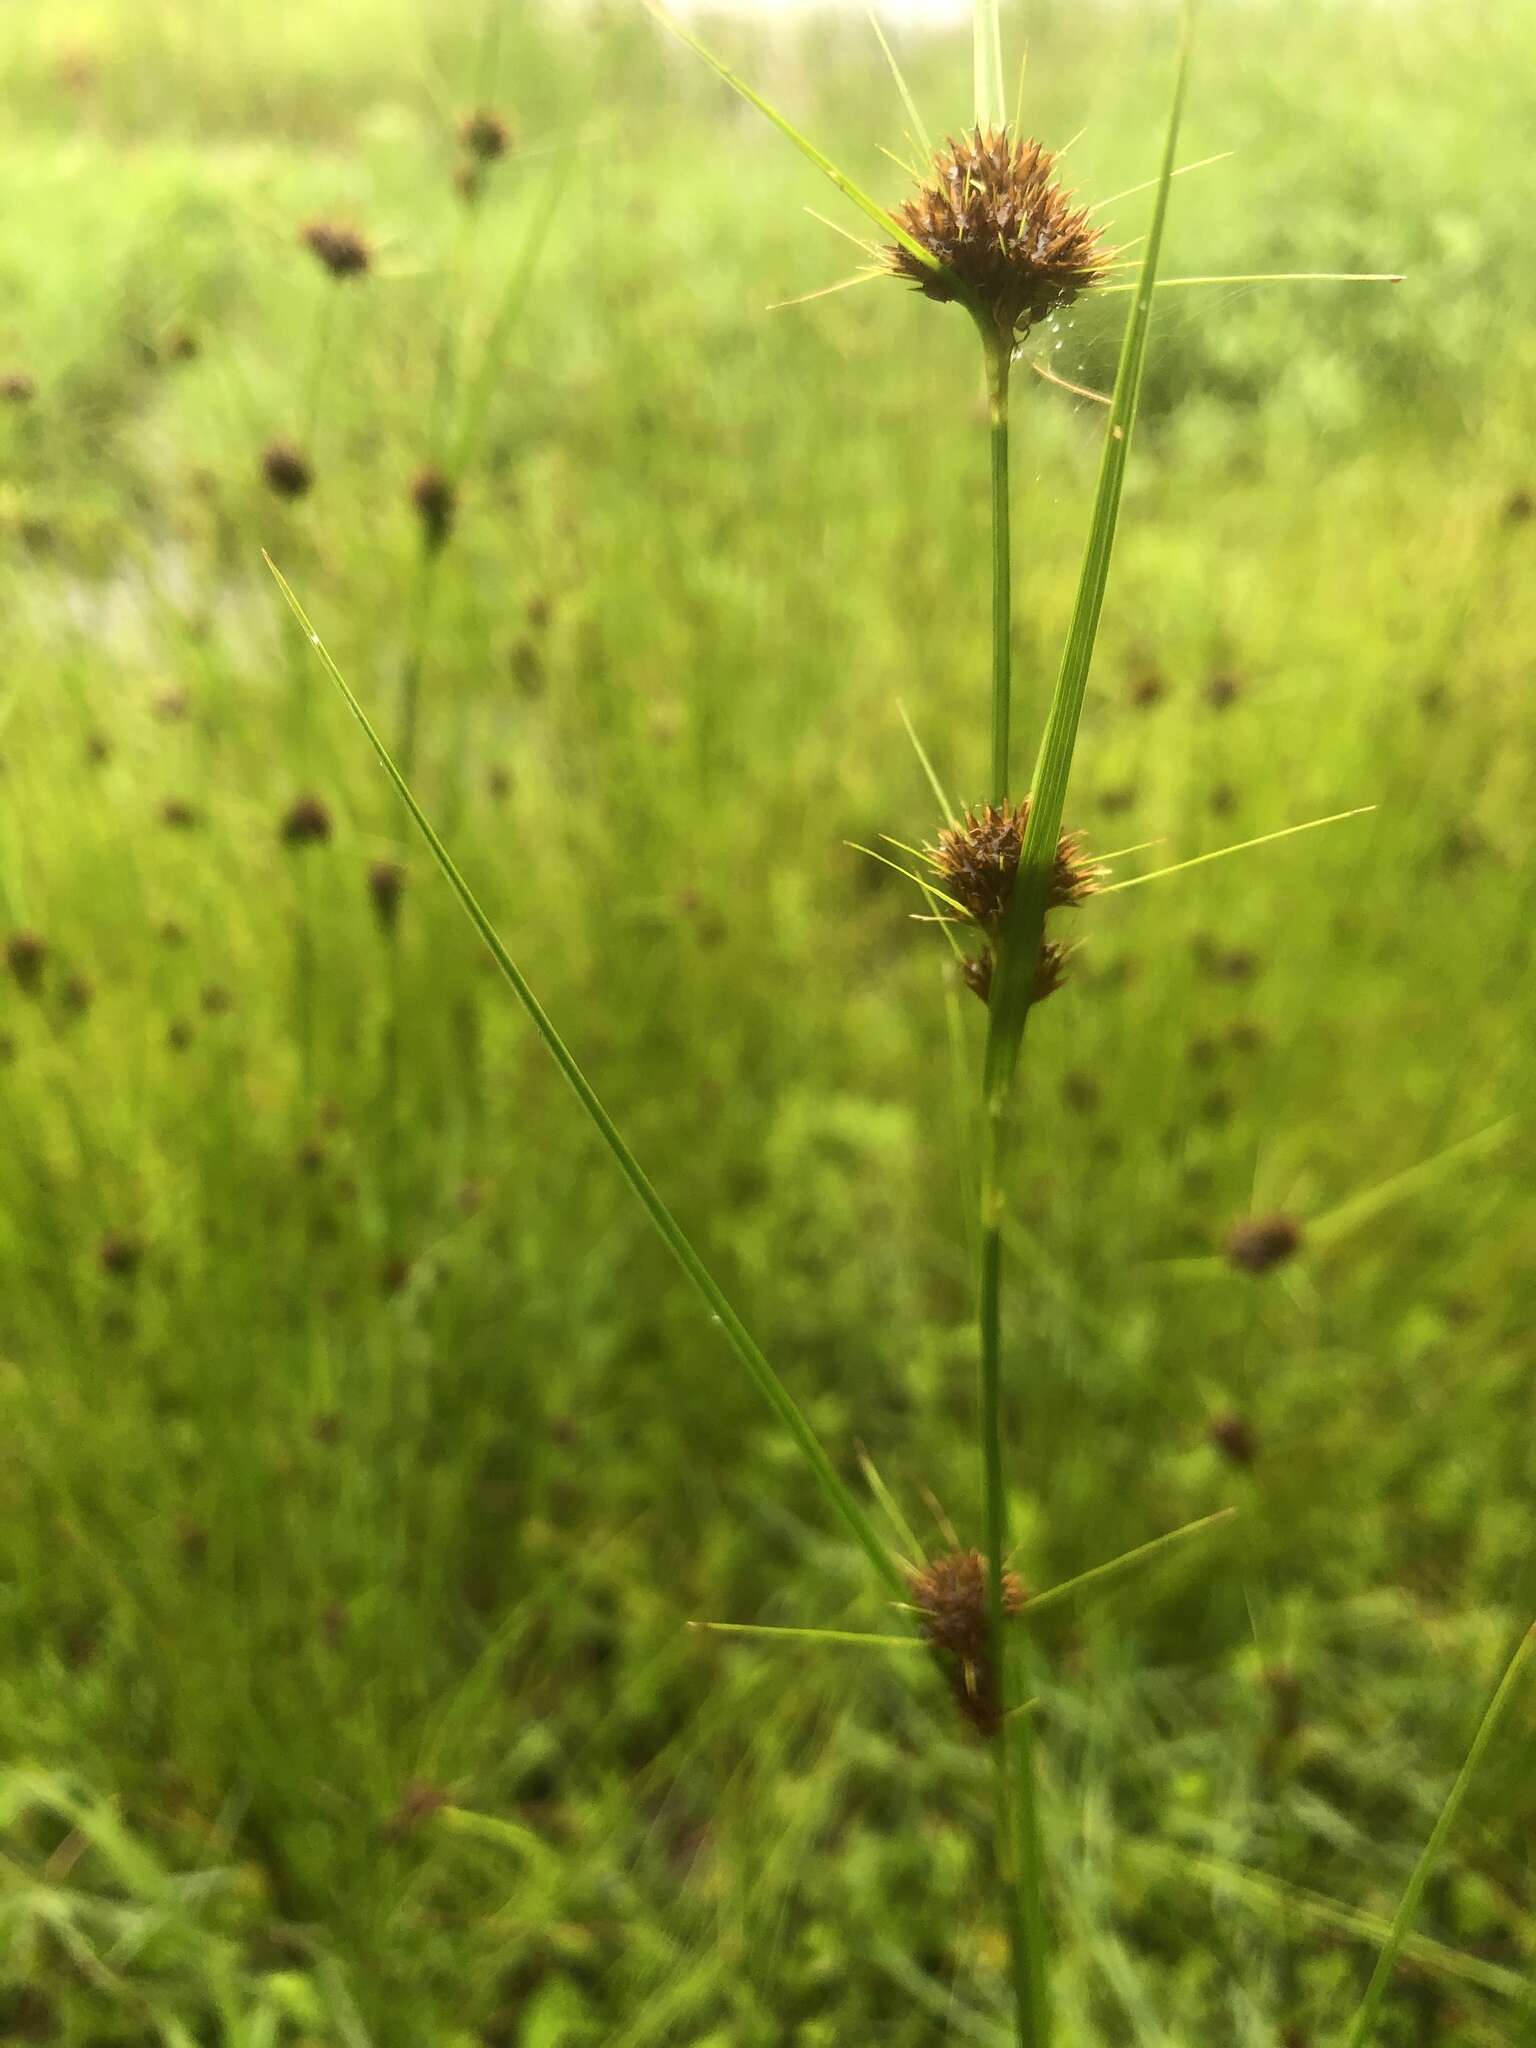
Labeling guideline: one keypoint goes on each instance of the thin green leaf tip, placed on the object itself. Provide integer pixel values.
(872, 207)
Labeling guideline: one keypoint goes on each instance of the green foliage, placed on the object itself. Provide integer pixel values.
(350, 1540)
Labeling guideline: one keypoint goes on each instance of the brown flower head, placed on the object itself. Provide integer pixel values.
(16, 387)
(120, 1255)
(386, 883)
(341, 249)
(1232, 1435)
(950, 1594)
(485, 135)
(286, 469)
(1013, 246)
(1050, 971)
(1259, 1243)
(436, 499)
(976, 863)
(306, 822)
(26, 954)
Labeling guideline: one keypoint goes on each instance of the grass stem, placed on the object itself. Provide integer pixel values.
(999, 361)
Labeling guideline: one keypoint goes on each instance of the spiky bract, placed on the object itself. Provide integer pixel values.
(1013, 246)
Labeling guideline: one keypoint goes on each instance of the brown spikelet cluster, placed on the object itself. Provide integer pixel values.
(26, 955)
(306, 822)
(16, 387)
(435, 497)
(484, 136)
(1232, 1434)
(286, 469)
(1050, 971)
(1013, 246)
(950, 1594)
(340, 249)
(120, 1255)
(1259, 1243)
(386, 884)
(977, 862)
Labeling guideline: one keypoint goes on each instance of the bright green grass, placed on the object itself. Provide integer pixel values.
(290, 1556)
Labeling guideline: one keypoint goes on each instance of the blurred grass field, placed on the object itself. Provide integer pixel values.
(363, 1461)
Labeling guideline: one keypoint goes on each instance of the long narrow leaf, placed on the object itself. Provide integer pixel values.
(803, 143)
(1364, 2023)
(987, 33)
(763, 1376)
(1026, 913)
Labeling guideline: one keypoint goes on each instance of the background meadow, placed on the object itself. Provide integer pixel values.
(362, 1460)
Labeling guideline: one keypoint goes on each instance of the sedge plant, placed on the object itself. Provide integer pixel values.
(991, 230)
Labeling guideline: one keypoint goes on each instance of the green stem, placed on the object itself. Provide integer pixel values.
(416, 656)
(999, 355)
(1018, 1842)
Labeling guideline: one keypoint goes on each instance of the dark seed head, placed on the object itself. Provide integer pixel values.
(1148, 689)
(977, 862)
(1233, 1436)
(120, 1255)
(1259, 1243)
(216, 1000)
(469, 181)
(1080, 1092)
(339, 248)
(436, 499)
(1011, 244)
(77, 995)
(1050, 972)
(178, 1034)
(386, 884)
(182, 345)
(286, 470)
(1519, 507)
(178, 814)
(485, 136)
(950, 1595)
(26, 955)
(306, 822)
(1222, 691)
(1284, 1689)
(17, 388)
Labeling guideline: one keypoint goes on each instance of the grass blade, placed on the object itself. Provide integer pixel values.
(762, 1374)
(987, 33)
(1026, 914)
(803, 143)
(1241, 846)
(857, 1637)
(1364, 2022)
(920, 133)
(514, 297)
(1274, 277)
(1116, 1567)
